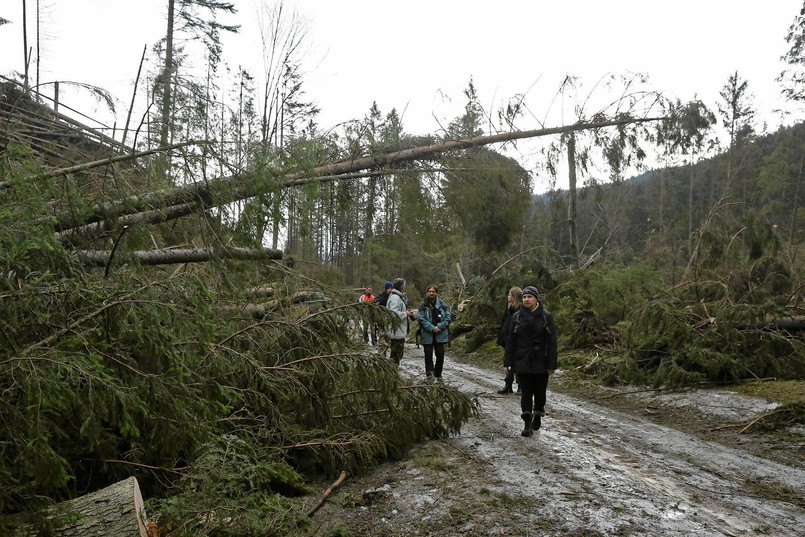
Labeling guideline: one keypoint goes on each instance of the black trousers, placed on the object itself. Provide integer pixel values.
(397, 350)
(533, 392)
(509, 380)
(430, 367)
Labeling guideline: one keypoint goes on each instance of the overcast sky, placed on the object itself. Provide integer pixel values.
(418, 55)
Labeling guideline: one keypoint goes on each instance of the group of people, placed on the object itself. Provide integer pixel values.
(434, 319)
(527, 334)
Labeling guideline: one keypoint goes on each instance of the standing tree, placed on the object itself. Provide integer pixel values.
(793, 78)
(793, 81)
(687, 131)
(620, 148)
(285, 113)
(186, 13)
(736, 113)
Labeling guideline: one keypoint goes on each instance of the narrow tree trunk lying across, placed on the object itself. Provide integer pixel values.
(116, 511)
(258, 311)
(261, 291)
(100, 258)
(217, 192)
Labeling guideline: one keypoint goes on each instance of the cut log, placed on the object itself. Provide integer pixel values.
(115, 511)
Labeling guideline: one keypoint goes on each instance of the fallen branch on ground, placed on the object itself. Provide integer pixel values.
(328, 492)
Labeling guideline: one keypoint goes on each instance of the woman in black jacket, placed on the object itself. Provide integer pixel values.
(513, 302)
(531, 352)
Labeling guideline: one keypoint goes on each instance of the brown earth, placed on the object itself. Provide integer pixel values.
(606, 462)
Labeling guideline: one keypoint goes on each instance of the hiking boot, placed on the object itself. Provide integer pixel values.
(528, 428)
(506, 389)
(537, 422)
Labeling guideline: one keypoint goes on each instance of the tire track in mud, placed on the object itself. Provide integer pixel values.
(595, 468)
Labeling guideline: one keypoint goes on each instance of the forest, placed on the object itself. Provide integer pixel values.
(152, 280)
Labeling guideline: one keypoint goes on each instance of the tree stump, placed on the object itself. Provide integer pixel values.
(115, 511)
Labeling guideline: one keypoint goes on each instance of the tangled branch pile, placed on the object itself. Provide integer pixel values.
(167, 374)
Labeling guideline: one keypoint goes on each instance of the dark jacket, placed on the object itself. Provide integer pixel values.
(434, 315)
(531, 343)
(382, 298)
(505, 325)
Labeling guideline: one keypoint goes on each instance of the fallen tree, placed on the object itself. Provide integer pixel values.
(102, 258)
(187, 199)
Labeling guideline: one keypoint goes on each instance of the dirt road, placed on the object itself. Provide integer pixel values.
(590, 470)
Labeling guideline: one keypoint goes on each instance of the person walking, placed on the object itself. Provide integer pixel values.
(398, 331)
(531, 351)
(368, 326)
(434, 320)
(513, 302)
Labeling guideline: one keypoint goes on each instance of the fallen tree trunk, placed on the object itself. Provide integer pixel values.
(259, 311)
(262, 291)
(186, 199)
(115, 511)
(102, 258)
(788, 323)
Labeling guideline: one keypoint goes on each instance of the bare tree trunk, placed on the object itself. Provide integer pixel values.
(796, 200)
(167, 74)
(25, 44)
(571, 208)
(690, 206)
(133, 96)
(38, 16)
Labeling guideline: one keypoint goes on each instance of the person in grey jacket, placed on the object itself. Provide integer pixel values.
(531, 352)
(398, 331)
(434, 320)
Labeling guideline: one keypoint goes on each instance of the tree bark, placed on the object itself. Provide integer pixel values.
(186, 199)
(115, 511)
(571, 207)
(101, 258)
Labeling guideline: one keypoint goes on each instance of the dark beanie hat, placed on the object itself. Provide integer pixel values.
(531, 290)
(388, 285)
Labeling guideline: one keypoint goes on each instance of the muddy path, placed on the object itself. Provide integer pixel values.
(590, 470)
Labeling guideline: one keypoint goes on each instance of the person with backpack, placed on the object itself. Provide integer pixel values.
(513, 302)
(397, 332)
(434, 321)
(531, 352)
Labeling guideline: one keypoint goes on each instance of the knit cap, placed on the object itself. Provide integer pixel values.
(531, 290)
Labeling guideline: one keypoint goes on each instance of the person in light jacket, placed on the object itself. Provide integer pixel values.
(398, 331)
(531, 352)
(434, 320)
